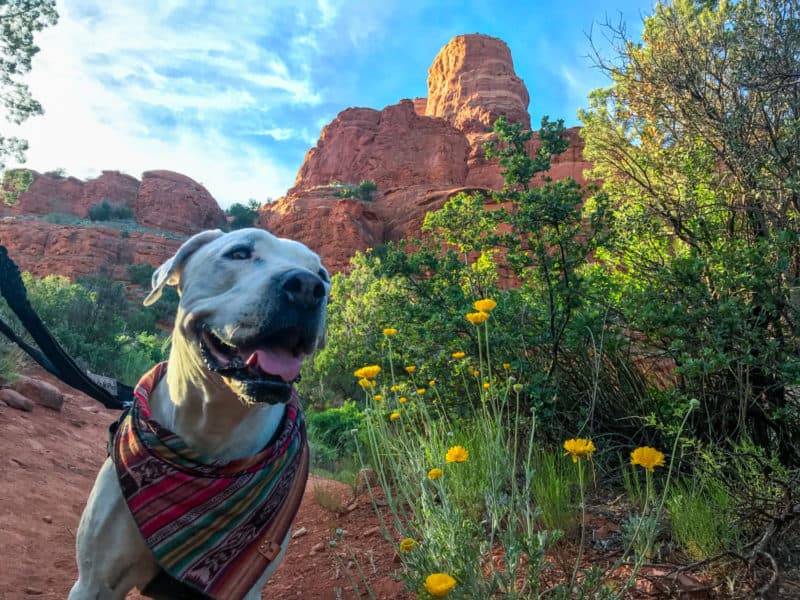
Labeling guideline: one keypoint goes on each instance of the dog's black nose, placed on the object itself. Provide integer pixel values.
(303, 288)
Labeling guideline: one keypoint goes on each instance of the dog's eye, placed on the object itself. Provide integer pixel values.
(240, 253)
(323, 274)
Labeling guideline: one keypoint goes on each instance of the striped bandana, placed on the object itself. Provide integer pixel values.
(212, 525)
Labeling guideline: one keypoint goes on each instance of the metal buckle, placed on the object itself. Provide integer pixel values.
(269, 549)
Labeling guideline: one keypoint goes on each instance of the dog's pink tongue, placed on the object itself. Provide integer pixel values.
(277, 362)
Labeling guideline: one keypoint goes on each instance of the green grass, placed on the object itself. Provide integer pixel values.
(555, 490)
(702, 518)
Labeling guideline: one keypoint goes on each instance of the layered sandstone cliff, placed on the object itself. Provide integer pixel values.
(163, 200)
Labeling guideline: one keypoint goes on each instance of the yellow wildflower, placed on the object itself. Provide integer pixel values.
(486, 305)
(394, 416)
(578, 448)
(407, 544)
(477, 318)
(439, 584)
(394, 388)
(647, 457)
(434, 474)
(410, 369)
(458, 355)
(368, 372)
(486, 385)
(421, 391)
(506, 366)
(402, 399)
(366, 383)
(377, 397)
(389, 331)
(476, 373)
(457, 454)
(517, 387)
(432, 383)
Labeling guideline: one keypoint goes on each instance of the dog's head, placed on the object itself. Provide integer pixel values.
(252, 307)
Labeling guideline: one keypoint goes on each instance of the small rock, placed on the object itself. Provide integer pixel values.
(32, 591)
(371, 531)
(318, 548)
(47, 519)
(16, 400)
(40, 392)
(18, 462)
(299, 532)
(352, 506)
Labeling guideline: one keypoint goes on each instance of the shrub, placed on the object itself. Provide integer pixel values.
(331, 431)
(241, 215)
(105, 211)
(363, 191)
(15, 183)
(90, 320)
(141, 274)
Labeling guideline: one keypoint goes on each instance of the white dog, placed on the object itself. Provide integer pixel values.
(252, 306)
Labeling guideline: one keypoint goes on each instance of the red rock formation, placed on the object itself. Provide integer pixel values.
(43, 248)
(333, 227)
(419, 153)
(394, 147)
(472, 82)
(163, 200)
(49, 193)
(174, 202)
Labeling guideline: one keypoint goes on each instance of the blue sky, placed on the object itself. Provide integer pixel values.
(234, 93)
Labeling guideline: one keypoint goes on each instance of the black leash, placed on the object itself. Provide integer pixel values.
(50, 355)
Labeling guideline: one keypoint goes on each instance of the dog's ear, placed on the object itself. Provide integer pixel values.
(170, 272)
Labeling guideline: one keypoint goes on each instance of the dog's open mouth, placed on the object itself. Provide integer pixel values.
(264, 368)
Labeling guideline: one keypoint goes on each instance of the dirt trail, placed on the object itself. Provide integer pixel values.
(48, 462)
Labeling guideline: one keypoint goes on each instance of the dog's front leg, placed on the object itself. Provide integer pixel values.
(112, 556)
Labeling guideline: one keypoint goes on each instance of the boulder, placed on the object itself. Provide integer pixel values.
(171, 201)
(39, 391)
(16, 400)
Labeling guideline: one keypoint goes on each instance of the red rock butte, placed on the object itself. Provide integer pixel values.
(419, 153)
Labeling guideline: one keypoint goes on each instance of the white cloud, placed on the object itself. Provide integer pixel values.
(169, 85)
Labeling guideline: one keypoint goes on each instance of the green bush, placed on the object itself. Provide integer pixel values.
(90, 318)
(105, 211)
(331, 432)
(241, 215)
(363, 191)
(15, 183)
(141, 274)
